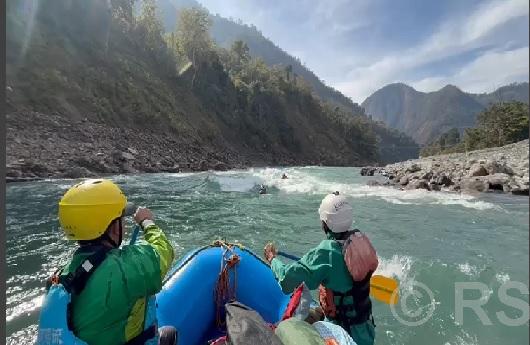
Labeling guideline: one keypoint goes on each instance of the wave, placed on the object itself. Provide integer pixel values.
(398, 266)
(305, 181)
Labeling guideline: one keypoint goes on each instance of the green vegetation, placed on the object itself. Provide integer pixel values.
(97, 60)
(500, 124)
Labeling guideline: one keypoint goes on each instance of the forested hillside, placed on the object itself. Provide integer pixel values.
(225, 32)
(498, 125)
(182, 102)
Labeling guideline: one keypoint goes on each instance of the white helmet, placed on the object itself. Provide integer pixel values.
(336, 212)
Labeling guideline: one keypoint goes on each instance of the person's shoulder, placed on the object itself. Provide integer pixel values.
(326, 244)
(140, 248)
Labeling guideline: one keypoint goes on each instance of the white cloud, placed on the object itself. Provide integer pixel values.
(455, 37)
(486, 73)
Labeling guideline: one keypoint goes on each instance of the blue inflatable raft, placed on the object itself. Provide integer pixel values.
(187, 300)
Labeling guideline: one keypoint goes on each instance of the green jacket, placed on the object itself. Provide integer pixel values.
(323, 265)
(111, 308)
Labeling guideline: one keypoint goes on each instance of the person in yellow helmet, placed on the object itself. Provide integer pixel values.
(110, 290)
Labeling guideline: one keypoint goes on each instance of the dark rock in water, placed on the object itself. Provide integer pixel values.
(520, 191)
(434, 187)
(368, 171)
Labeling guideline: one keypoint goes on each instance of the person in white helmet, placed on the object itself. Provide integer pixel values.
(344, 301)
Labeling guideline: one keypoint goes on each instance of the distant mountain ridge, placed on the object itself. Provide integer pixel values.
(426, 115)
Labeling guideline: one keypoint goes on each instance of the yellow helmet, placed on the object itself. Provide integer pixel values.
(87, 208)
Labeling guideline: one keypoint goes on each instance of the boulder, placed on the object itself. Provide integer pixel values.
(404, 180)
(427, 175)
(494, 167)
(127, 156)
(498, 181)
(368, 171)
(413, 168)
(443, 180)
(519, 186)
(220, 166)
(476, 184)
(203, 166)
(418, 184)
(477, 170)
(434, 187)
(132, 151)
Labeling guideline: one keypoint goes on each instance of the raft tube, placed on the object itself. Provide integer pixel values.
(187, 301)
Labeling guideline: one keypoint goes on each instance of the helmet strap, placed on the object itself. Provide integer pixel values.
(120, 238)
(325, 227)
(107, 237)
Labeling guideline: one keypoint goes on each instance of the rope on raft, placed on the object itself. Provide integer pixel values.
(224, 291)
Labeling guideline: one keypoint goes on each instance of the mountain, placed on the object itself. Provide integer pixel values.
(426, 115)
(225, 31)
(513, 92)
(393, 145)
(90, 90)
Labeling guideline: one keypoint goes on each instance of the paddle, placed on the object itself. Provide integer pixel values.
(382, 288)
(134, 235)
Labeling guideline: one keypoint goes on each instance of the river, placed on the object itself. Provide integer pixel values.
(434, 238)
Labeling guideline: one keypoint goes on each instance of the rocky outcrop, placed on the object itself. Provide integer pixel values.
(50, 146)
(499, 169)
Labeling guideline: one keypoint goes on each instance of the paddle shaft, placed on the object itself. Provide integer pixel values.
(135, 233)
(288, 256)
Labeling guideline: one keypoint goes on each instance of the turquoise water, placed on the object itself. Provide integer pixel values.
(433, 238)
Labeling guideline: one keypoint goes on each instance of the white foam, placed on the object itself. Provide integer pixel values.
(398, 266)
(24, 308)
(233, 182)
(502, 277)
(302, 181)
(468, 269)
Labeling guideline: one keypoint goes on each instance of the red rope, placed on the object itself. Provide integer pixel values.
(224, 291)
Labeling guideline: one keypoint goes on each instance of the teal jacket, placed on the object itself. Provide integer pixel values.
(323, 265)
(111, 308)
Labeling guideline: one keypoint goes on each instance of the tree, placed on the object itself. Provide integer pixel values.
(122, 11)
(193, 38)
(241, 51)
(152, 26)
(503, 123)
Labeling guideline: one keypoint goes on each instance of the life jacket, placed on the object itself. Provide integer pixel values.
(55, 321)
(361, 260)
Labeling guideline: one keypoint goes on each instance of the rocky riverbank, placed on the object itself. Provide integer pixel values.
(501, 169)
(47, 146)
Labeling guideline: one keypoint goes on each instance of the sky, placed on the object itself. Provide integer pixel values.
(359, 46)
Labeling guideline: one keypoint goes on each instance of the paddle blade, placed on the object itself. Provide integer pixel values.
(384, 289)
